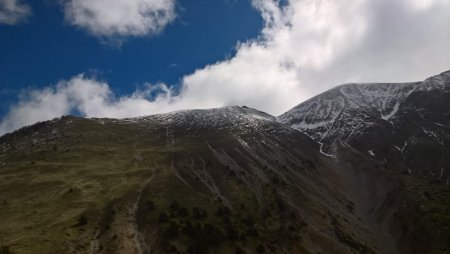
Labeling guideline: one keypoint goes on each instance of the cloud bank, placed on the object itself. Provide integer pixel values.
(13, 12)
(120, 18)
(83, 95)
(305, 47)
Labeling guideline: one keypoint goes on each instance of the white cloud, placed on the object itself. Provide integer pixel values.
(89, 97)
(306, 47)
(309, 46)
(13, 11)
(120, 18)
(421, 5)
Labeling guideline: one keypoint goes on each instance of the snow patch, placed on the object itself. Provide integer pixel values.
(243, 143)
(404, 146)
(442, 172)
(324, 153)
(393, 112)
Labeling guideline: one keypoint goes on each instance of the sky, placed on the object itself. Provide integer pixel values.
(128, 58)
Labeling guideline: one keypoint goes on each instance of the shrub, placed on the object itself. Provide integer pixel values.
(197, 247)
(252, 231)
(199, 214)
(173, 230)
(82, 221)
(239, 250)
(5, 250)
(174, 206)
(213, 235)
(163, 217)
(223, 212)
(249, 221)
(183, 212)
(260, 249)
(150, 206)
(232, 233)
(275, 180)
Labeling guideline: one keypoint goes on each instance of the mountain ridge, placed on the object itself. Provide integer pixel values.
(391, 116)
(226, 180)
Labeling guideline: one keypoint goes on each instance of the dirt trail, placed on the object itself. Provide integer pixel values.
(132, 218)
(132, 213)
(94, 243)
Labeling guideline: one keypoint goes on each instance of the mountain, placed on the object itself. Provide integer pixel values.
(405, 125)
(204, 181)
(225, 180)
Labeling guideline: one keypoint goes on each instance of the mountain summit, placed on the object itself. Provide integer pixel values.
(405, 124)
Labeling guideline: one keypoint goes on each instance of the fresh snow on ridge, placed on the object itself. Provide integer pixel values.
(394, 110)
(350, 109)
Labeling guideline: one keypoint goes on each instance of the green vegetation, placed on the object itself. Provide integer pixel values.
(82, 221)
(433, 207)
(199, 233)
(348, 240)
(107, 186)
(5, 250)
(69, 191)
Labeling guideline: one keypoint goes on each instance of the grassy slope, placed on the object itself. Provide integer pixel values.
(80, 186)
(433, 205)
(88, 186)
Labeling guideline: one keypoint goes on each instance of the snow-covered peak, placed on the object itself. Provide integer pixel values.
(349, 109)
(380, 100)
(376, 99)
(231, 118)
(201, 115)
(214, 115)
(353, 104)
(440, 81)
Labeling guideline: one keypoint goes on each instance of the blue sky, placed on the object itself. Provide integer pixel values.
(45, 48)
(128, 58)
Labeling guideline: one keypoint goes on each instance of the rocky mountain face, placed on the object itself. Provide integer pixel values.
(407, 125)
(232, 180)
